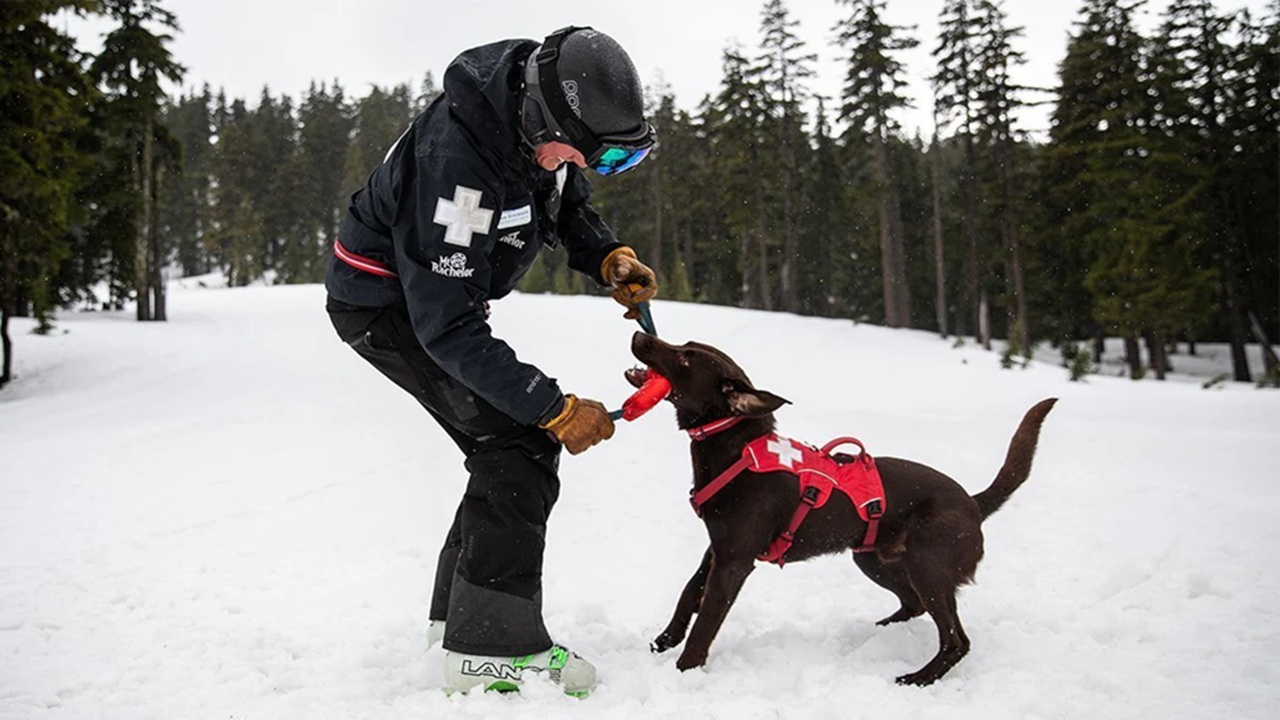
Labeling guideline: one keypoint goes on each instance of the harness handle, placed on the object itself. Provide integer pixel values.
(862, 450)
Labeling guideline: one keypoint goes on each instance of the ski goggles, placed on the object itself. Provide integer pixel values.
(614, 156)
(607, 155)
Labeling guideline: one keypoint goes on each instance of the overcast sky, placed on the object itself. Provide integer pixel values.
(242, 45)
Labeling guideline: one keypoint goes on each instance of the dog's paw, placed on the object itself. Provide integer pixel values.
(902, 615)
(663, 643)
(919, 679)
(688, 662)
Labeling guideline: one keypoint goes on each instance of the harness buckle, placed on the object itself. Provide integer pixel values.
(810, 496)
(874, 509)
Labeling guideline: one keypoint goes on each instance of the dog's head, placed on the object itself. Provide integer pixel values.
(706, 384)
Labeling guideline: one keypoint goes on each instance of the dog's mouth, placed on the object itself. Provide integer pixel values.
(636, 376)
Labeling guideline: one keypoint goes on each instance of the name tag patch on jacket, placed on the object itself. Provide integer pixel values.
(515, 217)
(462, 216)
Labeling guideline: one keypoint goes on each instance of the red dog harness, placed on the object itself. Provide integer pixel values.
(819, 473)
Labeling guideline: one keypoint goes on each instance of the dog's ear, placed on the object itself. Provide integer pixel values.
(749, 402)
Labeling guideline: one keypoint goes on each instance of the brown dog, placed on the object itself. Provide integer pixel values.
(929, 539)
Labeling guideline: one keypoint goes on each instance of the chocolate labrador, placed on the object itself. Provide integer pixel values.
(929, 536)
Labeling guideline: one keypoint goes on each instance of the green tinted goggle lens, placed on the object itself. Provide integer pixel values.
(615, 160)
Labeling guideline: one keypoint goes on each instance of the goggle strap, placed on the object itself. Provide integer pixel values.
(557, 106)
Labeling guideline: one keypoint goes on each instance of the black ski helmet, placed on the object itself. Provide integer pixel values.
(582, 89)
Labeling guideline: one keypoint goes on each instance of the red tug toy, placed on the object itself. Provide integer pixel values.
(651, 392)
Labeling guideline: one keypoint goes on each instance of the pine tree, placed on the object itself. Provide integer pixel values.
(185, 197)
(427, 93)
(235, 238)
(1190, 69)
(1128, 198)
(830, 277)
(378, 119)
(325, 125)
(736, 122)
(130, 68)
(782, 70)
(1250, 175)
(272, 179)
(43, 91)
(956, 96)
(873, 90)
(997, 100)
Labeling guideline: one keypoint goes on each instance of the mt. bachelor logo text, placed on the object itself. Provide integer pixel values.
(512, 239)
(454, 266)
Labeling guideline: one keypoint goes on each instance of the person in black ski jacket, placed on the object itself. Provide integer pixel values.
(450, 220)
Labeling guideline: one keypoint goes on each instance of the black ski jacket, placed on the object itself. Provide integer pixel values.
(459, 210)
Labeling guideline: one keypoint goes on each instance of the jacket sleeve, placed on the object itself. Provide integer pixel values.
(443, 234)
(583, 233)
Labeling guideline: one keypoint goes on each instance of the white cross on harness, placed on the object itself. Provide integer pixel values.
(788, 454)
(462, 216)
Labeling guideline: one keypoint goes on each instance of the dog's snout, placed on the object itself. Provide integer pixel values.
(643, 345)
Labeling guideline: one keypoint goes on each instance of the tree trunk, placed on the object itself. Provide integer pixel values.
(142, 245)
(8, 272)
(984, 320)
(655, 257)
(897, 310)
(790, 294)
(973, 273)
(762, 253)
(1019, 327)
(6, 372)
(1156, 354)
(1231, 287)
(762, 266)
(939, 264)
(160, 311)
(1133, 356)
(1270, 362)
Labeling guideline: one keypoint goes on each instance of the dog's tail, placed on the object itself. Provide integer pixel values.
(1017, 462)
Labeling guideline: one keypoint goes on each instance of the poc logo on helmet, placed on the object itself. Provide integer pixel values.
(570, 88)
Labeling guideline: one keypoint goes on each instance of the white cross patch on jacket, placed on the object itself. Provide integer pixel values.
(462, 216)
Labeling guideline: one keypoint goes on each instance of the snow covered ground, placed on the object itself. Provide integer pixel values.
(229, 515)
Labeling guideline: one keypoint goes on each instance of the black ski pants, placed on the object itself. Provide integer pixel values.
(488, 583)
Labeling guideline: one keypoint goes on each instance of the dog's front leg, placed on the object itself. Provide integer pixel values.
(724, 580)
(688, 604)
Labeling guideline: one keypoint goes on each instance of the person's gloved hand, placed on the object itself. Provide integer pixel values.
(581, 424)
(633, 282)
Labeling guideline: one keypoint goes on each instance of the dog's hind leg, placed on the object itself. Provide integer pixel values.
(724, 580)
(936, 586)
(688, 604)
(891, 577)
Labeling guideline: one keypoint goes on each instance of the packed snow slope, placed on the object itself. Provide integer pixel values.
(230, 515)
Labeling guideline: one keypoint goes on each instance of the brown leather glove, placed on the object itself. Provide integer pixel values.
(581, 424)
(633, 282)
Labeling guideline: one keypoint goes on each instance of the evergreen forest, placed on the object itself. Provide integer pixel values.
(1149, 211)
